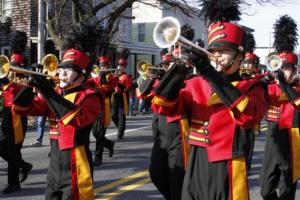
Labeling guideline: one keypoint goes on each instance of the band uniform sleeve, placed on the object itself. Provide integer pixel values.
(292, 94)
(85, 113)
(255, 108)
(179, 106)
(111, 83)
(170, 85)
(145, 88)
(128, 83)
(38, 107)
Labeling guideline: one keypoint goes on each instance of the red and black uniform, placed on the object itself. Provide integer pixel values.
(281, 164)
(106, 84)
(13, 125)
(219, 124)
(70, 170)
(251, 73)
(12, 135)
(281, 155)
(170, 148)
(72, 112)
(120, 102)
(220, 107)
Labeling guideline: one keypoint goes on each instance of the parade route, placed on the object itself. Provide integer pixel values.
(124, 176)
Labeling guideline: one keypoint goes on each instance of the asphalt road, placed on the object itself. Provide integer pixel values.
(122, 177)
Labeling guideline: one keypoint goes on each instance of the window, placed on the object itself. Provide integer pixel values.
(6, 8)
(141, 33)
(5, 50)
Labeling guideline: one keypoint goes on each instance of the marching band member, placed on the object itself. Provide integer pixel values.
(249, 70)
(105, 82)
(13, 126)
(167, 157)
(281, 164)
(220, 106)
(76, 107)
(120, 96)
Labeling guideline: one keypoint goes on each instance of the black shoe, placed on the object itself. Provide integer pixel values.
(97, 161)
(111, 149)
(11, 188)
(25, 171)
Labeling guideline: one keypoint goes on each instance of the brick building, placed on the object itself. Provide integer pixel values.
(17, 15)
(22, 15)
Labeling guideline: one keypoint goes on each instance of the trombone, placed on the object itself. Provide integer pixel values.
(144, 69)
(50, 65)
(167, 33)
(96, 71)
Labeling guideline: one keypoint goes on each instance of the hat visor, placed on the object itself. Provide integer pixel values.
(290, 65)
(67, 64)
(222, 45)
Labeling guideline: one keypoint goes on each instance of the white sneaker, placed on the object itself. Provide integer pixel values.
(36, 144)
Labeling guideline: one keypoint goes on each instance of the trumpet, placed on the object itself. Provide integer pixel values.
(273, 62)
(144, 69)
(96, 71)
(6, 67)
(167, 33)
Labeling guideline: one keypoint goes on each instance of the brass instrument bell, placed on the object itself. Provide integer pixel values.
(96, 71)
(274, 62)
(50, 63)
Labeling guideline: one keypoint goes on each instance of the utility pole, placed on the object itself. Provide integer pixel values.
(41, 30)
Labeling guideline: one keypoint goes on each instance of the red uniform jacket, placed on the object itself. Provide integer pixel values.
(123, 86)
(8, 92)
(125, 81)
(108, 87)
(17, 122)
(106, 91)
(280, 109)
(221, 130)
(73, 129)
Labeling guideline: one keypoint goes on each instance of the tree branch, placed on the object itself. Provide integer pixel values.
(101, 5)
(79, 7)
(115, 14)
(56, 39)
(186, 11)
(61, 9)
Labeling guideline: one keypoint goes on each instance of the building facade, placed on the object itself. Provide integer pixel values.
(18, 15)
(147, 16)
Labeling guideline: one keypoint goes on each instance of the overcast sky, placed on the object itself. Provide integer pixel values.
(263, 18)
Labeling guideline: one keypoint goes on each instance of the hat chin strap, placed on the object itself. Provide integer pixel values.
(72, 85)
(232, 62)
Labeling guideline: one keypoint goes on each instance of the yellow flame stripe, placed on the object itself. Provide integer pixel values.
(84, 176)
(106, 112)
(297, 102)
(295, 153)
(125, 103)
(71, 97)
(242, 104)
(184, 125)
(161, 102)
(18, 127)
(239, 180)
(283, 97)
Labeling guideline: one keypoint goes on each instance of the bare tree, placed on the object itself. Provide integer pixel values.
(112, 13)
